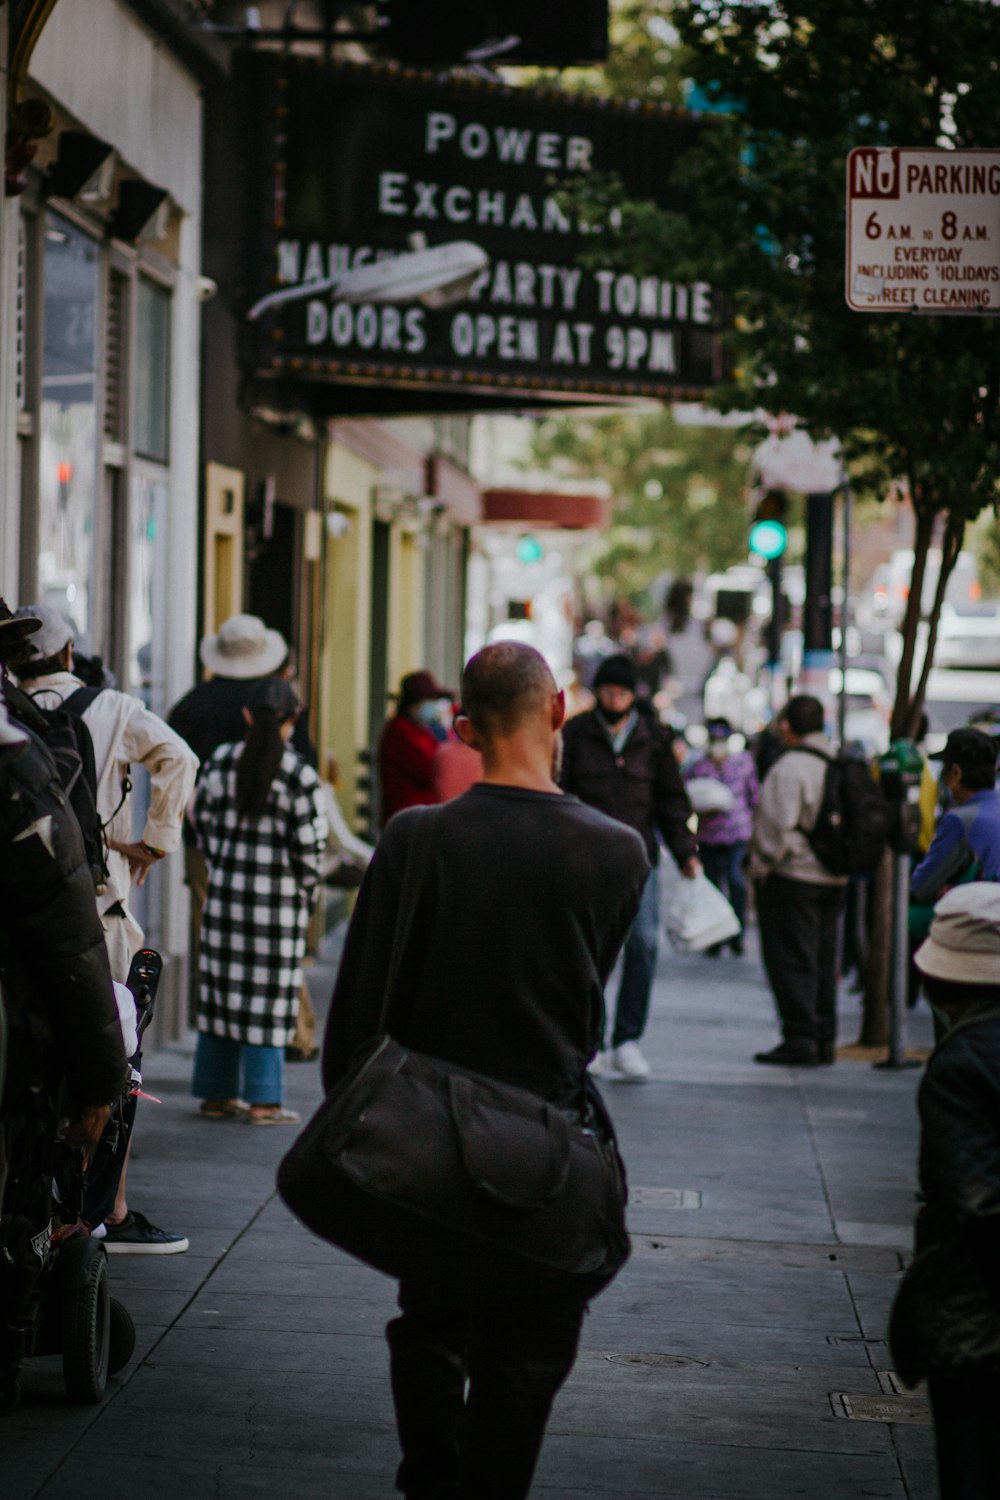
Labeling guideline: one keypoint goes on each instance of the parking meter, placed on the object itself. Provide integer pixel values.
(900, 773)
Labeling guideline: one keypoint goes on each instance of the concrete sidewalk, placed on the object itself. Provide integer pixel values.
(739, 1356)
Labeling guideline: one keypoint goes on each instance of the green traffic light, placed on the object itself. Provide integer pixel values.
(768, 539)
(529, 549)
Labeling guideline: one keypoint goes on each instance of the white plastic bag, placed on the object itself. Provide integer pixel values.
(696, 915)
(707, 795)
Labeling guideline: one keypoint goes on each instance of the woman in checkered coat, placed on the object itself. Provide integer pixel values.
(260, 823)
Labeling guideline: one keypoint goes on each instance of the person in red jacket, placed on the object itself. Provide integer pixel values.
(409, 744)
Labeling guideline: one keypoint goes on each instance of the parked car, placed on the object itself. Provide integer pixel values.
(868, 708)
(968, 636)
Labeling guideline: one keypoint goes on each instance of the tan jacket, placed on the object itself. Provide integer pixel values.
(789, 802)
(126, 733)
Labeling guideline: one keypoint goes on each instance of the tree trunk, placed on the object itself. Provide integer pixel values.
(951, 547)
(923, 533)
(875, 1005)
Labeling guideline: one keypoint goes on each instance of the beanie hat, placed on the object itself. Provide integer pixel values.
(616, 671)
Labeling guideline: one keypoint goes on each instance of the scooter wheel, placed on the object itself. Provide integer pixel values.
(87, 1334)
(10, 1396)
(122, 1345)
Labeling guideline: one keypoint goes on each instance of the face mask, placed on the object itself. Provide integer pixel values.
(428, 713)
(719, 750)
(613, 716)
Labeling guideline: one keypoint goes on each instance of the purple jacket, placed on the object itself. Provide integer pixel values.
(739, 774)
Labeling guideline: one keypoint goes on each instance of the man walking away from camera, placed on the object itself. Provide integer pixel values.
(798, 899)
(527, 899)
(618, 759)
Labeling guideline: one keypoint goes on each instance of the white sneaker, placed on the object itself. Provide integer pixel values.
(630, 1063)
(596, 1065)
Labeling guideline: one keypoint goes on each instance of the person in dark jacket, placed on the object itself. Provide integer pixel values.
(945, 1324)
(525, 904)
(59, 1007)
(617, 758)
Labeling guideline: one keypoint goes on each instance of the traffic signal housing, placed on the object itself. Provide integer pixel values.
(768, 532)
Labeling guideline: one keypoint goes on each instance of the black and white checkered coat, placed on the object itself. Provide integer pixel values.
(263, 876)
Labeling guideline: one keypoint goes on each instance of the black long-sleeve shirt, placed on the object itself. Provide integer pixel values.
(527, 900)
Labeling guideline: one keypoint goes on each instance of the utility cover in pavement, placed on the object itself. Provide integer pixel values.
(661, 1197)
(900, 1409)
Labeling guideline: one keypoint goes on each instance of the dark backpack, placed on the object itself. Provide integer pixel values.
(67, 739)
(853, 822)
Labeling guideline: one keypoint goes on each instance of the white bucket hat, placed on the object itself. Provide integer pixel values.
(244, 647)
(964, 939)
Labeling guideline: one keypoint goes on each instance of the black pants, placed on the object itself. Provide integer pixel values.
(967, 1433)
(474, 1375)
(798, 939)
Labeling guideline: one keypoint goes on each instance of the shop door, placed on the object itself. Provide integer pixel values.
(272, 583)
(223, 579)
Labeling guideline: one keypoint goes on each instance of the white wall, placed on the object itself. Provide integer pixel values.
(98, 60)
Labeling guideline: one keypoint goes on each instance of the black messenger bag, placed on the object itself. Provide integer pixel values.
(413, 1164)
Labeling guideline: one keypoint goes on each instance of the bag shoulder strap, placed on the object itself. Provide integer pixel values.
(418, 858)
(811, 750)
(80, 699)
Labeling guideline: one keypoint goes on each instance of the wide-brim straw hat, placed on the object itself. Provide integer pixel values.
(963, 944)
(244, 647)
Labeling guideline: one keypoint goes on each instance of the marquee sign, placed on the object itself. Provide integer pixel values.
(357, 160)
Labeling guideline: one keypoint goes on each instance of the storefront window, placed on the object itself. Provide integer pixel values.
(67, 484)
(152, 371)
(146, 664)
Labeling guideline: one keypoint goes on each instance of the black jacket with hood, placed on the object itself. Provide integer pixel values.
(53, 963)
(640, 786)
(946, 1318)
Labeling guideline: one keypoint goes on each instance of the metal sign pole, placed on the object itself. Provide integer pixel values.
(845, 585)
(900, 960)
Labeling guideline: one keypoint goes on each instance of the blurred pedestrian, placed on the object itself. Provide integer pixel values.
(967, 839)
(618, 759)
(457, 766)
(260, 823)
(945, 1324)
(723, 836)
(798, 899)
(242, 653)
(409, 745)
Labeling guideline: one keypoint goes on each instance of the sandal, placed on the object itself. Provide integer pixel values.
(274, 1115)
(223, 1109)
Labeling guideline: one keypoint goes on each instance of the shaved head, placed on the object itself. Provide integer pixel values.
(505, 684)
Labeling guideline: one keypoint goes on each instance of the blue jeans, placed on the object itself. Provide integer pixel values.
(723, 864)
(638, 965)
(217, 1064)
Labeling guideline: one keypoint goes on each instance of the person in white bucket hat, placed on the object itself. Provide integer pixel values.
(242, 653)
(945, 1324)
(244, 647)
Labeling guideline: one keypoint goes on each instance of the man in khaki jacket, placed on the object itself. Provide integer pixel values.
(798, 899)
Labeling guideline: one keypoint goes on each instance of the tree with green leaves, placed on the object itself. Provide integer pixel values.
(793, 86)
(678, 492)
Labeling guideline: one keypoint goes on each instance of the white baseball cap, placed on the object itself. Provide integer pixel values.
(54, 633)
